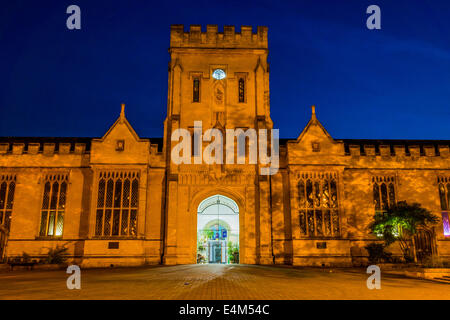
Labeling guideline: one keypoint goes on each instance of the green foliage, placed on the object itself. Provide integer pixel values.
(208, 234)
(400, 223)
(201, 258)
(377, 253)
(57, 255)
(233, 252)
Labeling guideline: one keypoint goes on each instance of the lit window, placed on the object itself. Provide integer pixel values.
(53, 205)
(7, 188)
(117, 204)
(383, 192)
(196, 90)
(241, 90)
(318, 205)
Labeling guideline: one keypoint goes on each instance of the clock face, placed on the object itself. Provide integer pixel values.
(219, 74)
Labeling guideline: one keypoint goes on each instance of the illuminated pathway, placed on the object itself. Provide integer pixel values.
(214, 282)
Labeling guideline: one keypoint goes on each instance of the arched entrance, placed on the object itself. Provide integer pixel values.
(218, 230)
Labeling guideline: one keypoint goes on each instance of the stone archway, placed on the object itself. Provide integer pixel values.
(218, 230)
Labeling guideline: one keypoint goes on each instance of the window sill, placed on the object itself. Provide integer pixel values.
(319, 238)
(115, 238)
(49, 238)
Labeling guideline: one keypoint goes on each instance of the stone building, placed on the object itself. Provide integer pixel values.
(120, 200)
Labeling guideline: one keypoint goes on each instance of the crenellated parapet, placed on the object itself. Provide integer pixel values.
(397, 148)
(45, 146)
(212, 38)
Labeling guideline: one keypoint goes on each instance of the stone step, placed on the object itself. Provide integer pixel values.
(444, 279)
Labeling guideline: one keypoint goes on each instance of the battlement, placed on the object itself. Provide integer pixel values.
(397, 148)
(45, 146)
(212, 38)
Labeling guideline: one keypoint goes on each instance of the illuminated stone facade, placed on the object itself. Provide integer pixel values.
(120, 200)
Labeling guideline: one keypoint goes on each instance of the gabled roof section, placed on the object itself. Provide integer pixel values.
(121, 144)
(314, 141)
(314, 122)
(122, 120)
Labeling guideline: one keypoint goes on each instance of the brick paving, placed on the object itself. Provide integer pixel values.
(204, 282)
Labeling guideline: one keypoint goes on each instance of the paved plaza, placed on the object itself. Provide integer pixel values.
(246, 282)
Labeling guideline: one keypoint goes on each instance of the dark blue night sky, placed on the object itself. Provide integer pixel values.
(392, 83)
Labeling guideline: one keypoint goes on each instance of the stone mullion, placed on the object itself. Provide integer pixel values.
(102, 227)
(116, 178)
(49, 208)
(304, 208)
(5, 203)
(129, 206)
(329, 207)
(380, 196)
(332, 209)
(314, 193)
(121, 207)
(112, 205)
(321, 208)
(58, 194)
(104, 208)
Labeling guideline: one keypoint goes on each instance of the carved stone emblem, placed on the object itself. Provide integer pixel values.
(219, 96)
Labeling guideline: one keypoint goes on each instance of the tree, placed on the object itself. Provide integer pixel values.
(400, 223)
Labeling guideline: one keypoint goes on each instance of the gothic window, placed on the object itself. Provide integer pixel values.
(53, 205)
(7, 187)
(444, 192)
(241, 90)
(444, 196)
(117, 204)
(196, 90)
(195, 152)
(383, 192)
(318, 205)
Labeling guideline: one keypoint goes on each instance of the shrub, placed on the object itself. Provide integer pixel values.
(57, 255)
(377, 253)
(400, 222)
(233, 252)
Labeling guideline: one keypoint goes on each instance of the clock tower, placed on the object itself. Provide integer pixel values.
(218, 78)
(222, 80)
